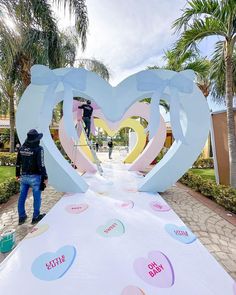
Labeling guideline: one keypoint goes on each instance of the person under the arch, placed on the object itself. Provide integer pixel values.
(87, 113)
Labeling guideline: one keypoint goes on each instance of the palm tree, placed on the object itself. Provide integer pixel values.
(203, 18)
(33, 37)
(189, 60)
(77, 8)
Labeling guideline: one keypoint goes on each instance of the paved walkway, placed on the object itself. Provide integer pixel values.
(9, 215)
(216, 234)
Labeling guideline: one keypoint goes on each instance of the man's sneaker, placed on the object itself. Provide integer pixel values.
(38, 218)
(22, 220)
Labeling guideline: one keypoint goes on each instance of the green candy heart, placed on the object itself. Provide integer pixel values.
(113, 228)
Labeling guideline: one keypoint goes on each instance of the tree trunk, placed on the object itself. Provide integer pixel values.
(25, 64)
(12, 121)
(230, 115)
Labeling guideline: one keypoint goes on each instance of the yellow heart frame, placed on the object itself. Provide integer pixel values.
(131, 123)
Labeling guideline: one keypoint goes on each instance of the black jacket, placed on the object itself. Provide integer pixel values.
(88, 110)
(30, 160)
(110, 144)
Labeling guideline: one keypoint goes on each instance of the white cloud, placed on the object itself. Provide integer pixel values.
(129, 35)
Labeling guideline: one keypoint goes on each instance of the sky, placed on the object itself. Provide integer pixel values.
(129, 35)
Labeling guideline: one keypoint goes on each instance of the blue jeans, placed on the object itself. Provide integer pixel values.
(27, 181)
(87, 122)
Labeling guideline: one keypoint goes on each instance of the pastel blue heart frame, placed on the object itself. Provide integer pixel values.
(189, 114)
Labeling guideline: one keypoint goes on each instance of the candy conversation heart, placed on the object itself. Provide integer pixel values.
(113, 228)
(180, 233)
(160, 207)
(234, 288)
(132, 290)
(37, 231)
(126, 204)
(76, 208)
(52, 266)
(156, 270)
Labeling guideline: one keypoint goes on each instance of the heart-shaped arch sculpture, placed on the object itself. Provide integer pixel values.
(190, 126)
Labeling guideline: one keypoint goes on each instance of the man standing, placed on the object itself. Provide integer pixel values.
(110, 147)
(97, 146)
(87, 113)
(31, 171)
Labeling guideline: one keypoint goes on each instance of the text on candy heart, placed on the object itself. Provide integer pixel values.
(34, 229)
(158, 206)
(155, 269)
(55, 262)
(181, 233)
(77, 207)
(107, 230)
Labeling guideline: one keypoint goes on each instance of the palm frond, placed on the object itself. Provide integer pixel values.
(218, 73)
(198, 31)
(196, 9)
(68, 42)
(79, 9)
(218, 63)
(200, 66)
(94, 66)
(8, 48)
(165, 105)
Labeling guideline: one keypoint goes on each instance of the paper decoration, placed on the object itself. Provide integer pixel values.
(52, 266)
(155, 270)
(113, 228)
(160, 207)
(76, 208)
(180, 233)
(37, 231)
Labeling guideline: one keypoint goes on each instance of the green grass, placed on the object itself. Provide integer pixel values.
(205, 173)
(6, 172)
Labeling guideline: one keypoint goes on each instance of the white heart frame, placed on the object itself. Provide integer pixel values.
(189, 113)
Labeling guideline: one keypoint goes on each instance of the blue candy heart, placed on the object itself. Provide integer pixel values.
(52, 266)
(180, 233)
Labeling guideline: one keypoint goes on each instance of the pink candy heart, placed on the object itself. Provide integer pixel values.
(157, 206)
(132, 290)
(68, 195)
(126, 204)
(131, 190)
(76, 208)
(156, 270)
(234, 288)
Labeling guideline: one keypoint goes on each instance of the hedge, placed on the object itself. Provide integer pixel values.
(221, 194)
(8, 159)
(203, 163)
(8, 188)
